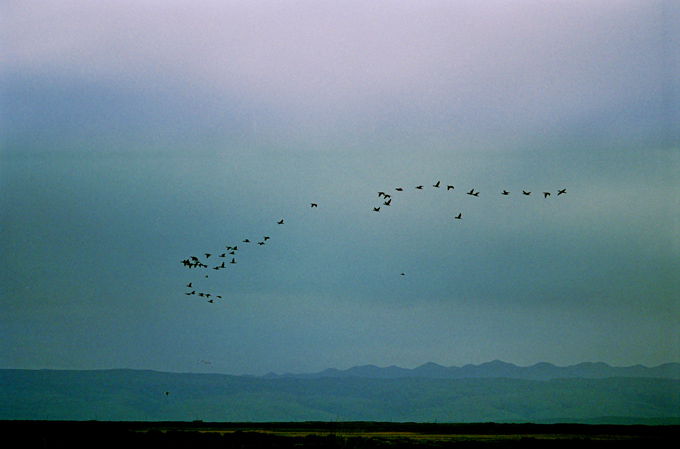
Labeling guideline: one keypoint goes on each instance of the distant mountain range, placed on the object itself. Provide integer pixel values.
(592, 393)
(496, 369)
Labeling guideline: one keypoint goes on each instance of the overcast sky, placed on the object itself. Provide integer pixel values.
(134, 135)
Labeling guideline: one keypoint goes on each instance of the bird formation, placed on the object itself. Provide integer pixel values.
(228, 255)
(201, 263)
(388, 198)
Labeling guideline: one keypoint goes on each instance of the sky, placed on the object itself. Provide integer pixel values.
(136, 135)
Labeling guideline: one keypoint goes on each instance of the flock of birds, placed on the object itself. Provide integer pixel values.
(231, 251)
(388, 197)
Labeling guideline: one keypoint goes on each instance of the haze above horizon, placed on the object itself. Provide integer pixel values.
(139, 138)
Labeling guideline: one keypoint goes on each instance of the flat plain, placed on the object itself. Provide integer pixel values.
(77, 434)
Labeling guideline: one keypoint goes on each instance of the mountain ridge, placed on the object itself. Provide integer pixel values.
(494, 369)
(147, 395)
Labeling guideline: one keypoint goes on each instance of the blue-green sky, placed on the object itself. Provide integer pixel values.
(134, 135)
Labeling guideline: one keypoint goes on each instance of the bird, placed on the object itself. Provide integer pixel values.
(376, 209)
(505, 192)
(233, 261)
(266, 238)
(260, 243)
(280, 222)
(380, 194)
(473, 193)
(190, 293)
(546, 194)
(399, 189)
(189, 285)
(419, 187)
(167, 393)
(458, 217)
(207, 255)
(314, 205)
(210, 301)
(387, 203)
(436, 185)
(526, 193)
(246, 241)
(223, 255)
(449, 187)
(560, 192)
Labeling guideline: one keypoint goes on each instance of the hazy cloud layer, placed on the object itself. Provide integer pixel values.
(136, 134)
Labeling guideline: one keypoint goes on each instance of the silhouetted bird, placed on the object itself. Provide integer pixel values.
(210, 301)
(505, 192)
(189, 285)
(459, 216)
(233, 261)
(167, 393)
(266, 238)
(436, 185)
(246, 241)
(419, 187)
(207, 255)
(473, 193)
(449, 187)
(260, 243)
(560, 192)
(387, 203)
(280, 222)
(376, 209)
(546, 194)
(315, 205)
(525, 192)
(380, 194)
(223, 255)
(399, 189)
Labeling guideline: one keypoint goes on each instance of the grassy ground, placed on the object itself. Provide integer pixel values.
(129, 435)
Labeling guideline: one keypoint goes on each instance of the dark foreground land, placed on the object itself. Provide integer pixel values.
(128, 435)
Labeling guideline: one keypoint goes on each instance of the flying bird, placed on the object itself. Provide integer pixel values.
(546, 194)
(380, 194)
(560, 192)
(387, 203)
(473, 193)
(280, 222)
(458, 217)
(449, 187)
(376, 209)
(207, 255)
(505, 192)
(266, 238)
(246, 241)
(399, 189)
(525, 192)
(189, 285)
(419, 187)
(233, 261)
(315, 205)
(436, 185)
